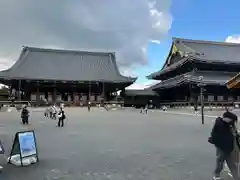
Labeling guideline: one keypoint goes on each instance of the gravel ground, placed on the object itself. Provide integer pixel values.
(116, 145)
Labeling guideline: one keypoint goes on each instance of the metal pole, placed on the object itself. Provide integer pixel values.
(202, 103)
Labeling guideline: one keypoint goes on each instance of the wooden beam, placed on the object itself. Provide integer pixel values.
(233, 84)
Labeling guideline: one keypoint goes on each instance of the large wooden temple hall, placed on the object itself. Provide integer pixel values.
(192, 65)
(195, 63)
(66, 75)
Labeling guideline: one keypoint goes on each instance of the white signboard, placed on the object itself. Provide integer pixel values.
(27, 144)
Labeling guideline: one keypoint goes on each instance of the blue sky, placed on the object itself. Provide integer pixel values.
(194, 19)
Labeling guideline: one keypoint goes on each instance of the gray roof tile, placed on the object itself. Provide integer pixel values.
(50, 64)
(205, 51)
(210, 50)
(209, 78)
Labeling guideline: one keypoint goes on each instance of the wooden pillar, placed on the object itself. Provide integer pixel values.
(89, 91)
(46, 95)
(73, 96)
(10, 95)
(103, 92)
(37, 95)
(54, 94)
(28, 95)
(19, 90)
(73, 93)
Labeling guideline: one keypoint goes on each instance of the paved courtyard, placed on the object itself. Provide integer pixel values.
(116, 145)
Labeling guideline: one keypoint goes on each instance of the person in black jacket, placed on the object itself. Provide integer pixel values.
(61, 117)
(222, 136)
(25, 115)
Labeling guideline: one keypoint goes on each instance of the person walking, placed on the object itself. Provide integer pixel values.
(54, 112)
(141, 109)
(225, 139)
(25, 115)
(47, 112)
(61, 117)
(146, 109)
(89, 106)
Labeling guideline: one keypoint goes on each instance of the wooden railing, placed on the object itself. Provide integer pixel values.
(66, 103)
(208, 103)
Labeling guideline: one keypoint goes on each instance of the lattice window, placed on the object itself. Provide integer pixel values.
(210, 98)
(220, 98)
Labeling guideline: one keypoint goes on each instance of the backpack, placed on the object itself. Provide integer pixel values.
(63, 116)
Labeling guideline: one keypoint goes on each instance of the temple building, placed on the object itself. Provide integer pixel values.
(141, 97)
(194, 64)
(64, 75)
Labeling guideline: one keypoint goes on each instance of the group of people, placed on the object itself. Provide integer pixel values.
(144, 109)
(50, 112)
(53, 113)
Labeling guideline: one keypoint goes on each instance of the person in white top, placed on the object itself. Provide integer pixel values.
(89, 106)
(54, 112)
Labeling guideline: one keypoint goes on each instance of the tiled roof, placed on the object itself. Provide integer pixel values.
(208, 78)
(201, 51)
(51, 64)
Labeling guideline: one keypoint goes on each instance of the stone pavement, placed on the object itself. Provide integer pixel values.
(117, 145)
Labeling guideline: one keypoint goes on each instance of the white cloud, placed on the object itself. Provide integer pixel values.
(5, 63)
(233, 39)
(123, 26)
(156, 41)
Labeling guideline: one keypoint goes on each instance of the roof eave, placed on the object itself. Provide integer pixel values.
(157, 74)
(140, 92)
(233, 82)
(80, 80)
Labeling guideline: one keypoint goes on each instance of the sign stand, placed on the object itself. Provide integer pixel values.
(24, 146)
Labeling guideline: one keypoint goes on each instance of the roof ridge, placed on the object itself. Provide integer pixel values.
(66, 50)
(205, 42)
